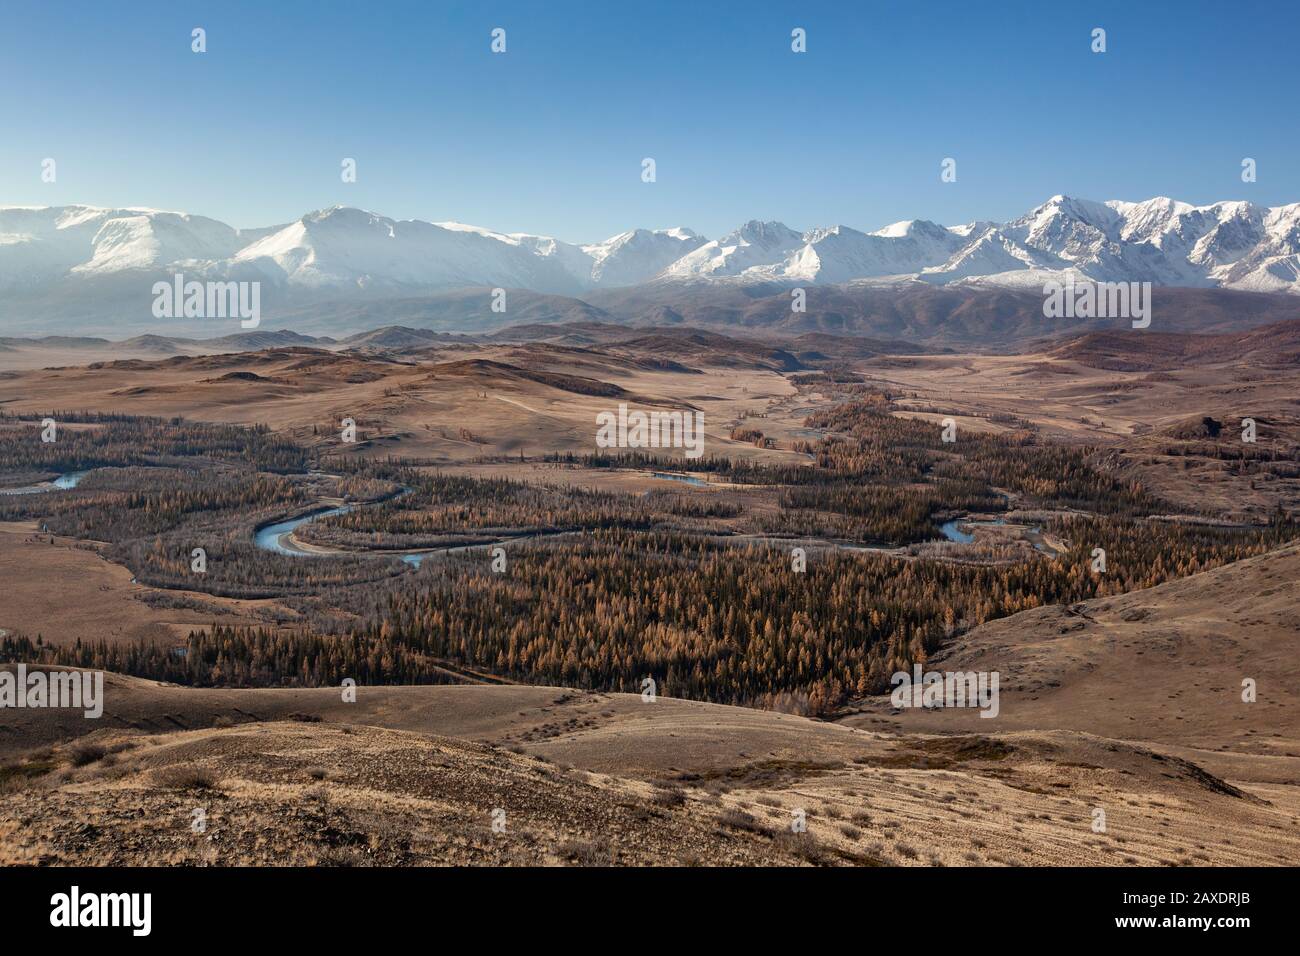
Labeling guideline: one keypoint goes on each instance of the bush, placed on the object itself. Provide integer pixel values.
(668, 798)
(740, 820)
(187, 778)
(583, 853)
(87, 754)
(804, 846)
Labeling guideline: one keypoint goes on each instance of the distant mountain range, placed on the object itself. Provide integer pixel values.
(1274, 345)
(87, 269)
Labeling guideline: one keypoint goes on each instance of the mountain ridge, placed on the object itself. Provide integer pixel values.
(91, 270)
(1229, 244)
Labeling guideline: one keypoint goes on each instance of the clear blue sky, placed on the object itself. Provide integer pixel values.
(550, 136)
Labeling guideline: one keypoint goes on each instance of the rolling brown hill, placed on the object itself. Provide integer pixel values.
(1275, 344)
(1163, 666)
(1130, 705)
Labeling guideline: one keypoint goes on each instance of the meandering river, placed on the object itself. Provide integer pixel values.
(67, 480)
(278, 536)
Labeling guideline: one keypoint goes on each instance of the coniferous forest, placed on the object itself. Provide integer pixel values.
(706, 594)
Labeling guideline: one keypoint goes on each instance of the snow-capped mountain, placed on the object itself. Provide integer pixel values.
(353, 249)
(632, 257)
(756, 249)
(1229, 245)
(39, 244)
(771, 251)
(49, 251)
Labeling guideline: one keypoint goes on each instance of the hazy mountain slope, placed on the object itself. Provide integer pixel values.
(43, 244)
(87, 269)
(351, 248)
(454, 310)
(944, 315)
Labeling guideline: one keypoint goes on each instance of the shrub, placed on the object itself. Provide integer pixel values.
(187, 778)
(86, 754)
(740, 820)
(668, 798)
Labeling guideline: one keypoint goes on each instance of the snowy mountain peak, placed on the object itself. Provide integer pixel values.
(638, 255)
(342, 249)
(912, 228)
(770, 234)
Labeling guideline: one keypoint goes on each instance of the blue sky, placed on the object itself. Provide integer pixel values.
(549, 137)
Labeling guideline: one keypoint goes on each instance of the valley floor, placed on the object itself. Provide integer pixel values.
(1159, 742)
(1123, 737)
